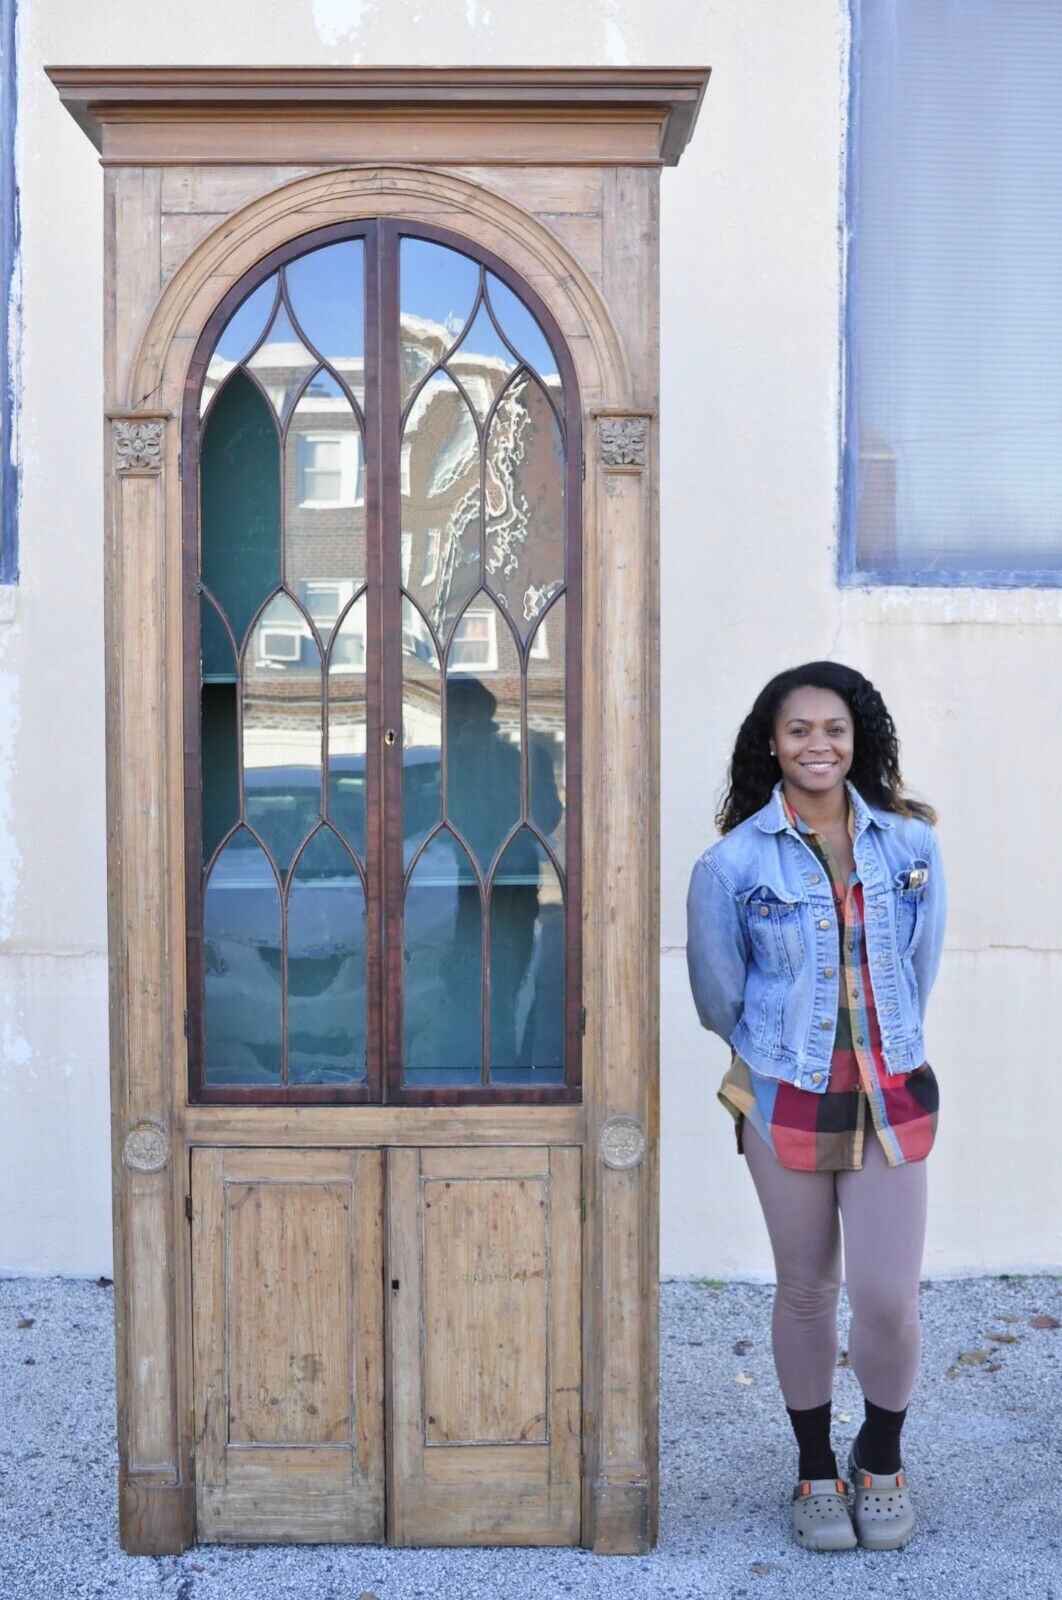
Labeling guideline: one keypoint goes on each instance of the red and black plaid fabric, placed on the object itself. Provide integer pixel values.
(824, 1132)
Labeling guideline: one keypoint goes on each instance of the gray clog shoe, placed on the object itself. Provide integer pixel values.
(884, 1515)
(820, 1515)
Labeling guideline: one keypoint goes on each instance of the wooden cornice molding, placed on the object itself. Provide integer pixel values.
(604, 115)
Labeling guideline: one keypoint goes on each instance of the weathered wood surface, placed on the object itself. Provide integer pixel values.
(287, 1264)
(585, 238)
(485, 1385)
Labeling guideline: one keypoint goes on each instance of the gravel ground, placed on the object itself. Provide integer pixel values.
(982, 1447)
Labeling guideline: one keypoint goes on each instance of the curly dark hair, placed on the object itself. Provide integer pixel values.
(875, 770)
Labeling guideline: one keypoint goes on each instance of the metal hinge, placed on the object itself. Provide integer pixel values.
(188, 1207)
(584, 466)
(582, 1020)
(186, 1024)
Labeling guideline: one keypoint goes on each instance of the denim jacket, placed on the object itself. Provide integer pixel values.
(762, 940)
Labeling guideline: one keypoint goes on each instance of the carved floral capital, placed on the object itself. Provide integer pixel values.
(623, 441)
(137, 445)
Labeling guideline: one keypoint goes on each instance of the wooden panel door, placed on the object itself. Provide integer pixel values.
(288, 1350)
(484, 1386)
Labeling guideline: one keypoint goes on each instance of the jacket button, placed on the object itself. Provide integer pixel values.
(827, 972)
(825, 923)
(825, 1024)
(765, 911)
(816, 1077)
(814, 878)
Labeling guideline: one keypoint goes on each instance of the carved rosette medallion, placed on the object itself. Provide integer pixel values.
(621, 1142)
(146, 1147)
(137, 445)
(623, 441)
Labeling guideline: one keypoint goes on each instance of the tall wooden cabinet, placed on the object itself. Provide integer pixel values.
(382, 654)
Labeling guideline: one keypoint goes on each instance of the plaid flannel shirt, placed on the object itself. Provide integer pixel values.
(824, 1132)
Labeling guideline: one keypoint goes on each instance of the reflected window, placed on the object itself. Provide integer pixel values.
(431, 556)
(329, 469)
(475, 646)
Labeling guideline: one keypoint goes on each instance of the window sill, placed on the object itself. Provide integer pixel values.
(916, 604)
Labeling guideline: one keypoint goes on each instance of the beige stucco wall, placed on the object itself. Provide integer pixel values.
(750, 282)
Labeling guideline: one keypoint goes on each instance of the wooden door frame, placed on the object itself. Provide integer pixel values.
(553, 170)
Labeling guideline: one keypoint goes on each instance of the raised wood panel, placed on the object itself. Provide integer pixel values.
(485, 1388)
(286, 1273)
(289, 1290)
(485, 1309)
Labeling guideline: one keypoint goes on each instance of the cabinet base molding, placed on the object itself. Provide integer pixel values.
(621, 1522)
(154, 1519)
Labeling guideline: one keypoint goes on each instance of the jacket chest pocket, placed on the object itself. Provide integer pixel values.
(775, 931)
(909, 898)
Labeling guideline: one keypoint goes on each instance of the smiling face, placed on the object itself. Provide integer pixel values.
(814, 740)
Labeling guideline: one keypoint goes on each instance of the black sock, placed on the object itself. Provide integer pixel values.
(812, 1429)
(877, 1446)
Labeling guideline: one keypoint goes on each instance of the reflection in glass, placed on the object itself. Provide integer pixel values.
(482, 363)
(421, 730)
(547, 776)
(441, 501)
(526, 967)
(437, 291)
(346, 728)
(524, 489)
(282, 730)
(324, 502)
(241, 952)
(483, 731)
(282, 362)
(239, 475)
(326, 966)
(442, 1006)
(326, 289)
(218, 738)
(523, 332)
(242, 330)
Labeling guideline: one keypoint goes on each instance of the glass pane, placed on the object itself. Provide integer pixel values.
(443, 968)
(441, 502)
(522, 331)
(326, 289)
(282, 730)
(483, 730)
(282, 363)
(324, 502)
(526, 967)
(239, 477)
(953, 458)
(546, 727)
(346, 729)
(240, 333)
(241, 948)
(524, 489)
(421, 730)
(482, 363)
(438, 289)
(326, 966)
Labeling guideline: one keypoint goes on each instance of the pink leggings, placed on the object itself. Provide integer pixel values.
(883, 1210)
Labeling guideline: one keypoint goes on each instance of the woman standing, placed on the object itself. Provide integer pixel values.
(815, 931)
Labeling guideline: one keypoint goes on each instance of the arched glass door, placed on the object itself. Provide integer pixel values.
(382, 690)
